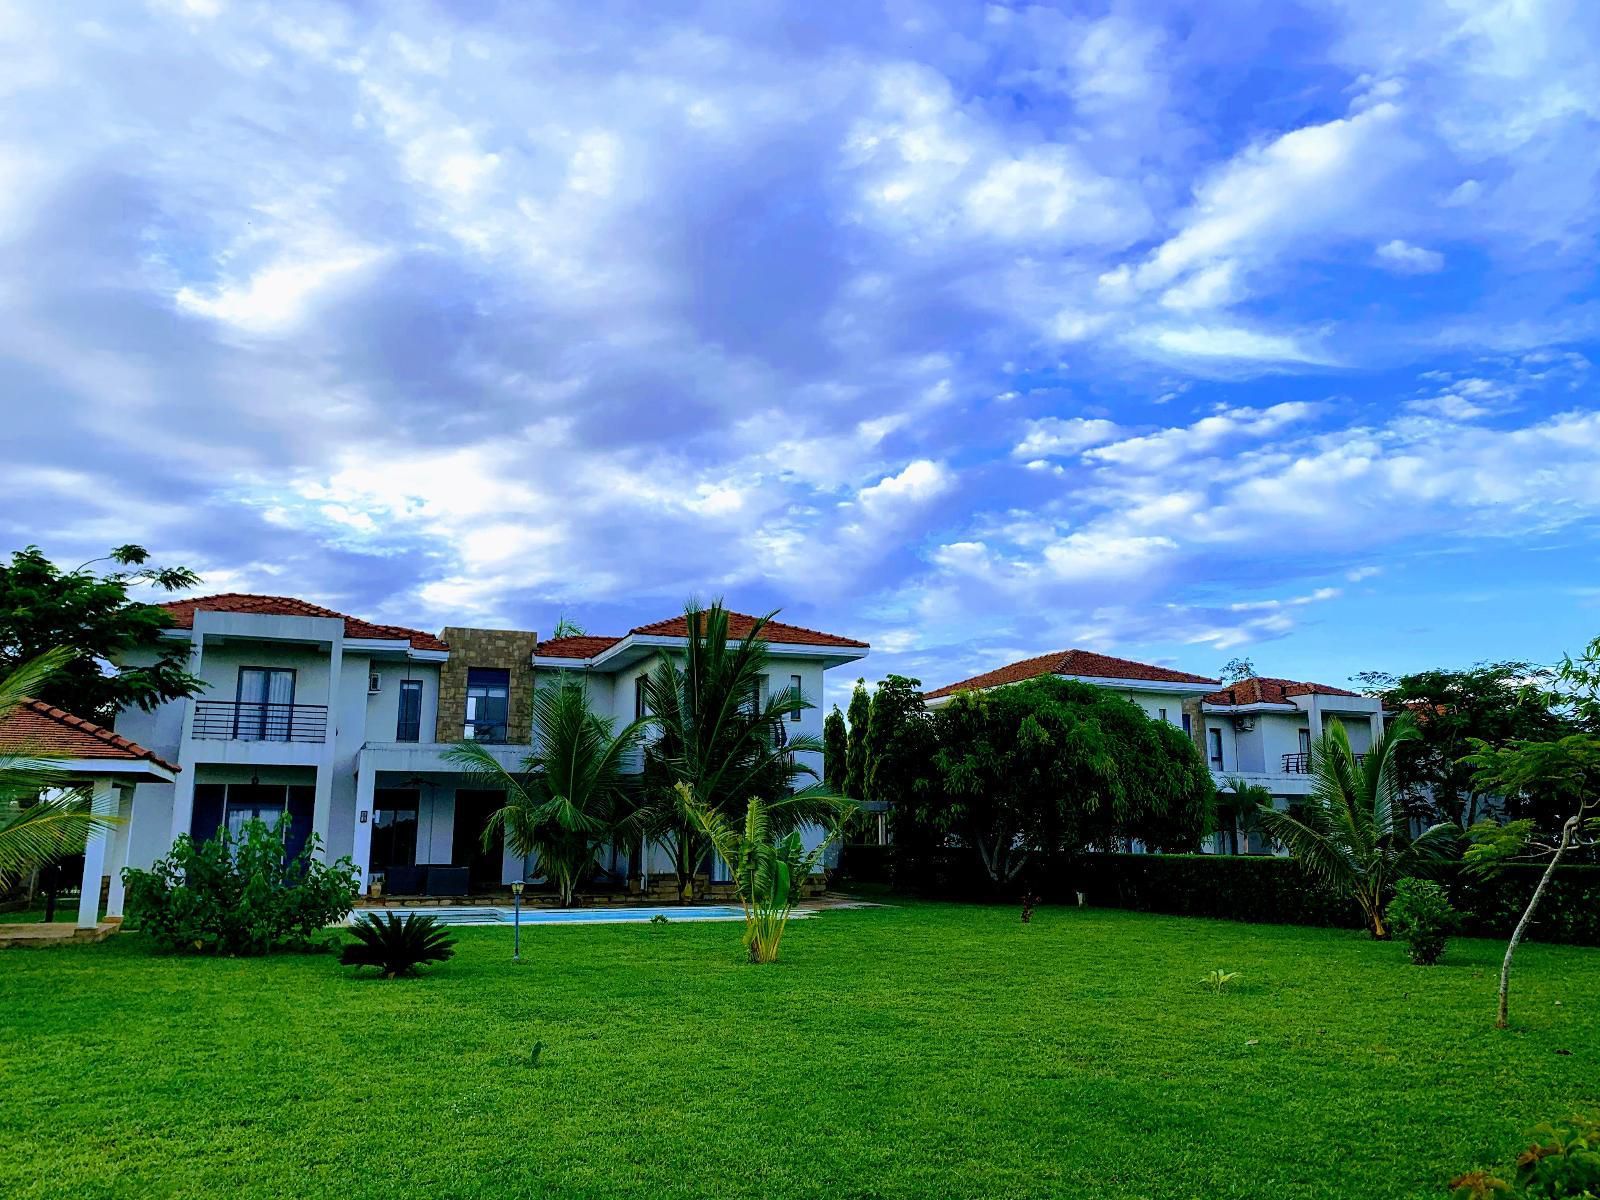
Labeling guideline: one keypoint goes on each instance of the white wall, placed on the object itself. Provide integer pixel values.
(383, 709)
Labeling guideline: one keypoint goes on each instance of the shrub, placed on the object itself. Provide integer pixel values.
(1562, 1162)
(1421, 916)
(243, 896)
(396, 946)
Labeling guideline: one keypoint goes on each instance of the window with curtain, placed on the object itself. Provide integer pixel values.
(265, 709)
(488, 704)
(794, 684)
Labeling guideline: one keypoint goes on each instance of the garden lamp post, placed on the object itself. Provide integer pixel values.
(516, 927)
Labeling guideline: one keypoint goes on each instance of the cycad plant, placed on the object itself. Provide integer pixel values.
(567, 801)
(397, 945)
(723, 742)
(768, 867)
(36, 829)
(1353, 832)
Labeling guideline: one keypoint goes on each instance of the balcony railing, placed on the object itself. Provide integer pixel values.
(254, 721)
(1300, 764)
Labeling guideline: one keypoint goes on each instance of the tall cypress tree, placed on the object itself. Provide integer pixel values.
(856, 765)
(835, 751)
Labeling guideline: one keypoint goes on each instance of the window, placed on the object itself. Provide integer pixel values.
(1161, 715)
(1188, 725)
(265, 708)
(409, 726)
(799, 692)
(1305, 741)
(488, 689)
(394, 829)
(1215, 737)
(641, 697)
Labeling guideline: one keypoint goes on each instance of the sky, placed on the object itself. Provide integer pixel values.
(1180, 331)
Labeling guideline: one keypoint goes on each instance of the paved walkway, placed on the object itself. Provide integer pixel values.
(54, 933)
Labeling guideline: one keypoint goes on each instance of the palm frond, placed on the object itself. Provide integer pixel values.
(40, 833)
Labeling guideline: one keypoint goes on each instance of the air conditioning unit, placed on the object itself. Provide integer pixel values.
(374, 683)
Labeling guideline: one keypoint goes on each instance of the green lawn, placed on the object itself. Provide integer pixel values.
(915, 1051)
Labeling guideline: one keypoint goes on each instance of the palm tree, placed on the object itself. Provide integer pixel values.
(1353, 831)
(565, 804)
(722, 743)
(37, 829)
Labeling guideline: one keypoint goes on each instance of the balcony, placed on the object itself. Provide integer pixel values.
(254, 721)
(1300, 764)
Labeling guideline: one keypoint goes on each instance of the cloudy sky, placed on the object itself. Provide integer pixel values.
(1175, 330)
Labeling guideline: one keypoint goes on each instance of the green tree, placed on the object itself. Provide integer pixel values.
(569, 798)
(721, 743)
(1236, 669)
(856, 764)
(835, 751)
(1493, 702)
(43, 608)
(1566, 773)
(1353, 832)
(37, 828)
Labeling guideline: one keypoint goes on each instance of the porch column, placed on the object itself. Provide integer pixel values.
(1314, 715)
(322, 806)
(1376, 721)
(366, 784)
(182, 803)
(119, 853)
(104, 803)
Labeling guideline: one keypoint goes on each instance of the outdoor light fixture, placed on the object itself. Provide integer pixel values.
(516, 928)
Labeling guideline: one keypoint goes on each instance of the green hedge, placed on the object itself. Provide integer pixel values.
(1258, 889)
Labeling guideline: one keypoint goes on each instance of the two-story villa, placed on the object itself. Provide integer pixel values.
(341, 725)
(1257, 730)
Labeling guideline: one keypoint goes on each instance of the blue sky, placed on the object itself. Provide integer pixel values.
(1178, 331)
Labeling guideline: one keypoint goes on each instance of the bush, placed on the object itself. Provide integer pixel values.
(1421, 916)
(1564, 1161)
(228, 896)
(397, 946)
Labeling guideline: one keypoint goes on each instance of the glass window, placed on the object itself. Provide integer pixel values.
(641, 698)
(408, 728)
(794, 684)
(394, 829)
(488, 691)
(1161, 715)
(265, 708)
(1216, 747)
(1188, 725)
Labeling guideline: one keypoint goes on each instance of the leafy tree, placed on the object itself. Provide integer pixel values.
(1237, 805)
(835, 751)
(1494, 702)
(569, 798)
(43, 608)
(767, 859)
(1052, 763)
(856, 763)
(899, 745)
(721, 743)
(1567, 773)
(1236, 669)
(37, 828)
(1352, 832)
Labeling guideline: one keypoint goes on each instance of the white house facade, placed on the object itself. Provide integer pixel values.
(341, 726)
(1258, 731)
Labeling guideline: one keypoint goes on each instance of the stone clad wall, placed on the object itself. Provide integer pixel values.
(508, 648)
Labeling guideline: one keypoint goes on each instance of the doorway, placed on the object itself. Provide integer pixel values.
(394, 828)
(484, 865)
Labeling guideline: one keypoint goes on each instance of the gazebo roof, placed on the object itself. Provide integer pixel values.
(46, 731)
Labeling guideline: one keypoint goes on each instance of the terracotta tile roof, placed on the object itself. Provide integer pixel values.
(183, 611)
(740, 624)
(578, 646)
(1084, 663)
(1260, 689)
(43, 729)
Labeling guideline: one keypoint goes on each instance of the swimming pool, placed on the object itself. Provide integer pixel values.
(468, 914)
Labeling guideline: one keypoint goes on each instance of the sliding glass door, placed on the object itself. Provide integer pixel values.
(265, 712)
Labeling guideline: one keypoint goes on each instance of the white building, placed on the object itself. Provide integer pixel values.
(342, 725)
(1257, 730)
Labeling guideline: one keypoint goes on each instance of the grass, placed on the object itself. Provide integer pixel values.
(916, 1051)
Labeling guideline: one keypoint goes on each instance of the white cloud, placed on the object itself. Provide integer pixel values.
(1058, 436)
(1402, 256)
(1231, 343)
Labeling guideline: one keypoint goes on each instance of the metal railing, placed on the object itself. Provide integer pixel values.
(1300, 764)
(255, 721)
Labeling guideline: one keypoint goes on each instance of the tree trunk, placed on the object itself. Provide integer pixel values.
(1501, 1019)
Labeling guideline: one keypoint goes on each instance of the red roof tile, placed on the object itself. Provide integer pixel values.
(52, 732)
(1083, 663)
(288, 606)
(1261, 689)
(577, 646)
(740, 624)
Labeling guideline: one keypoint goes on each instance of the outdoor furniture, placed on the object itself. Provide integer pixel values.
(404, 881)
(448, 881)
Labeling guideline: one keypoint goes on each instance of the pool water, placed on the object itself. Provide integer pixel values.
(495, 915)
